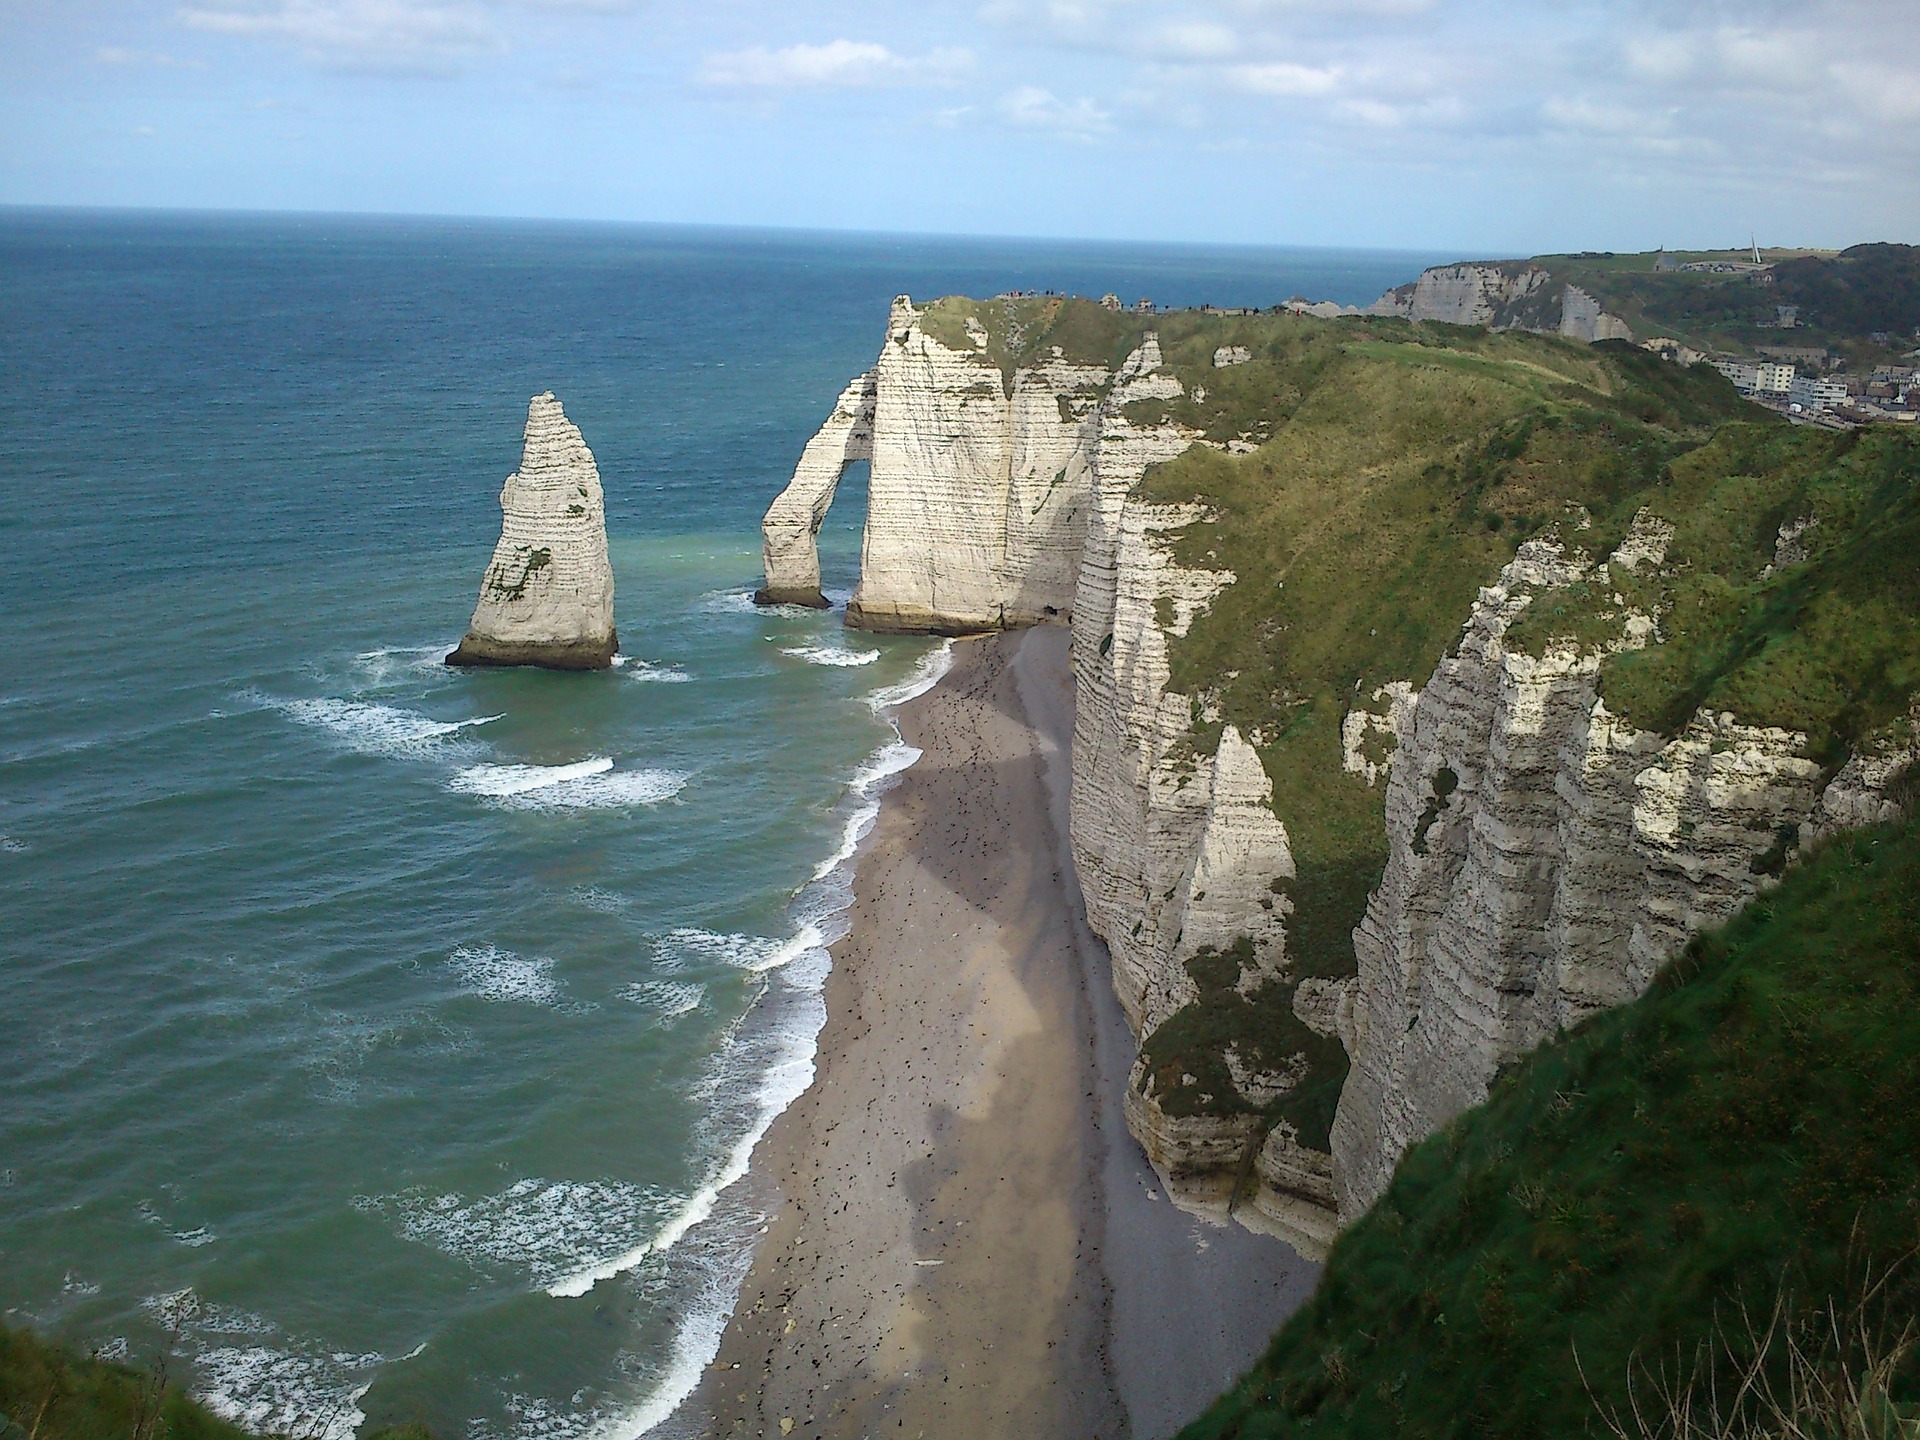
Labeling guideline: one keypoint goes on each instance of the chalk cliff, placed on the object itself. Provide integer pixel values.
(790, 532)
(1546, 857)
(1502, 295)
(1376, 866)
(547, 596)
(976, 500)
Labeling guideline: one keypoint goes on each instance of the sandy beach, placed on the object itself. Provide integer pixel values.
(966, 1241)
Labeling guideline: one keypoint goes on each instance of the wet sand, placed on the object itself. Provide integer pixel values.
(967, 1242)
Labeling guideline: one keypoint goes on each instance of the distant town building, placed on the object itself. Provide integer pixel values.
(1109, 301)
(1750, 378)
(1813, 392)
(1143, 306)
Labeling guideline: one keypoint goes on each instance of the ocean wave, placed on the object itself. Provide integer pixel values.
(591, 784)
(551, 1229)
(374, 729)
(926, 674)
(740, 602)
(830, 654)
(746, 952)
(495, 974)
(647, 671)
(866, 786)
(288, 1387)
(765, 1064)
(668, 999)
(285, 1392)
(395, 661)
(9, 845)
(503, 781)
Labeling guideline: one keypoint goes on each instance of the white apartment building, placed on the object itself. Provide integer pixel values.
(1811, 393)
(1764, 378)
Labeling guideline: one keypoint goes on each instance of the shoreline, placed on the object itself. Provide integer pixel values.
(963, 1238)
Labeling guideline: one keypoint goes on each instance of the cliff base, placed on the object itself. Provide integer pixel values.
(577, 655)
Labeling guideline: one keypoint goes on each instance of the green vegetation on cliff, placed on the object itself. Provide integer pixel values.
(1396, 468)
(1744, 1131)
(50, 1393)
(1840, 300)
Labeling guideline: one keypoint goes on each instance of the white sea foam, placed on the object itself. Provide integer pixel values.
(740, 602)
(765, 1064)
(286, 1387)
(285, 1392)
(591, 784)
(10, 846)
(867, 785)
(748, 952)
(374, 729)
(830, 654)
(926, 674)
(501, 781)
(653, 674)
(550, 1228)
(496, 974)
(395, 661)
(668, 999)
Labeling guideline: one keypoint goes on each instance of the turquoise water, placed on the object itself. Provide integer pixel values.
(382, 1039)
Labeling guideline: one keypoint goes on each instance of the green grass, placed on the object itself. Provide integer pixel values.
(1745, 1130)
(1842, 297)
(1021, 330)
(1398, 468)
(52, 1393)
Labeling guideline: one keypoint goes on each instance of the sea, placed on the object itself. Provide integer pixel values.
(380, 1042)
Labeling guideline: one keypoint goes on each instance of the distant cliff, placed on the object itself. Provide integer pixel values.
(1503, 295)
(1433, 685)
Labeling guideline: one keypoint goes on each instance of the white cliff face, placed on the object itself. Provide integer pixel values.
(1502, 296)
(977, 499)
(547, 596)
(792, 525)
(1177, 851)
(1545, 859)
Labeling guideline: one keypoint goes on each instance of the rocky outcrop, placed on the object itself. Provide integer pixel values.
(1502, 295)
(1177, 846)
(792, 525)
(547, 596)
(1546, 857)
(977, 497)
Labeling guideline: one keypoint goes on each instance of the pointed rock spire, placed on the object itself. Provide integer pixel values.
(547, 596)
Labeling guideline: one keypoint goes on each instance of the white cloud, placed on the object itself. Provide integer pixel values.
(1194, 40)
(1284, 79)
(397, 35)
(839, 64)
(1032, 108)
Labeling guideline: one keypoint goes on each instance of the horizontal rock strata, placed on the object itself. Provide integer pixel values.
(1546, 857)
(547, 596)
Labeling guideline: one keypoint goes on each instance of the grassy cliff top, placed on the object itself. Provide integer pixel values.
(1021, 330)
(1842, 297)
(1393, 469)
(1744, 1131)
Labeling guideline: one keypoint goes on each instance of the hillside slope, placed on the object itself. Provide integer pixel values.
(1744, 1130)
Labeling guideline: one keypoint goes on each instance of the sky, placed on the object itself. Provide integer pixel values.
(1486, 129)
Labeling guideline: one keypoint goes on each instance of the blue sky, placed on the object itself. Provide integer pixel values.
(1484, 128)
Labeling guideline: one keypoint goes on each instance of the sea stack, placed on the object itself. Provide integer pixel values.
(547, 596)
